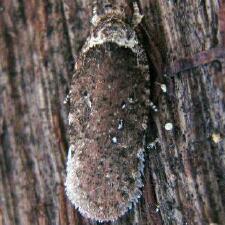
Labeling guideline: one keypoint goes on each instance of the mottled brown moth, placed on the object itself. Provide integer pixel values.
(109, 102)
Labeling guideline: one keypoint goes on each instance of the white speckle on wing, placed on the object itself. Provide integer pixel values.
(120, 125)
(157, 209)
(153, 106)
(144, 125)
(71, 151)
(66, 99)
(76, 66)
(123, 105)
(164, 88)
(70, 118)
(87, 100)
(147, 91)
(152, 145)
(130, 100)
(114, 140)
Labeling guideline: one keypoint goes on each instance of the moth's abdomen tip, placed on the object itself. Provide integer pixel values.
(105, 202)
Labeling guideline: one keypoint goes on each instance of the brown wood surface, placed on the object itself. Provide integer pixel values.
(184, 175)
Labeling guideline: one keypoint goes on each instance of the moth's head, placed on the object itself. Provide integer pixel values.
(109, 12)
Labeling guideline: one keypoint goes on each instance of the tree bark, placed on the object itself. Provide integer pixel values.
(184, 179)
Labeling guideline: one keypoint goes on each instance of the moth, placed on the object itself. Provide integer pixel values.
(109, 102)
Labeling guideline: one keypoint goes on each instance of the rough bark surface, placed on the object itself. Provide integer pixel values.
(184, 174)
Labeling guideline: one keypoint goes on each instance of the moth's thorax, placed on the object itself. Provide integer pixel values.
(109, 12)
(113, 29)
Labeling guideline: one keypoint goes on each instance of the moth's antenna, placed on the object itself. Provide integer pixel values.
(95, 18)
(137, 16)
(95, 6)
